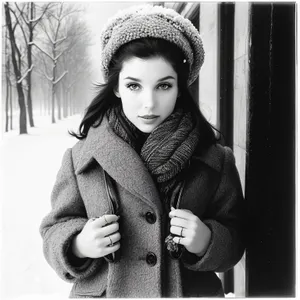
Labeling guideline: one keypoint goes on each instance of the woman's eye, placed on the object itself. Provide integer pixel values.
(133, 86)
(164, 86)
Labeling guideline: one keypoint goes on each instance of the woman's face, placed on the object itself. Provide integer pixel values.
(148, 90)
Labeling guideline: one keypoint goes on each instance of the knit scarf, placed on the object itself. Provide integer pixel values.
(166, 151)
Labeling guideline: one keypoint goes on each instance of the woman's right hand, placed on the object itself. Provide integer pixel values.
(99, 237)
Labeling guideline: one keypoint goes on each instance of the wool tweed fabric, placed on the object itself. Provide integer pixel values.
(212, 192)
(168, 148)
(152, 21)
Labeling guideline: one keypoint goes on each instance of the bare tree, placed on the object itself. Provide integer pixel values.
(16, 58)
(44, 85)
(8, 98)
(54, 30)
(75, 60)
(28, 13)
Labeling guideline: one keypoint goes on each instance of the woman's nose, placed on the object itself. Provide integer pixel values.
(149, 99)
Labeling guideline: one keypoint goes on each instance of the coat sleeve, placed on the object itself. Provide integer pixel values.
(66, 219)
(226, 218)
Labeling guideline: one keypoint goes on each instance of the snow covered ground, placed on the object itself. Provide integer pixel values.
(28, 167)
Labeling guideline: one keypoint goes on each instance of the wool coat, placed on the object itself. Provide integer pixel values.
(212, 191)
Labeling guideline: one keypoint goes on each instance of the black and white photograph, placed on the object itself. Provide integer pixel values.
(148, 150)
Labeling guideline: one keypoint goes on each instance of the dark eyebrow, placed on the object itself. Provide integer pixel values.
(132, 78)
(167, 77)
(138, 80)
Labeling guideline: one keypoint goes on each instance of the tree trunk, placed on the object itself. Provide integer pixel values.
(53, 91)
(6, 106)
(29, 99)
(53, 103)
(7, 85)
(11, 108)
(59, 107)
(53, 85)
(29, 57)
(21, 98)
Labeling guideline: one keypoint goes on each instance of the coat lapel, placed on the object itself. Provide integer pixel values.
(120, 161)
(213, 157)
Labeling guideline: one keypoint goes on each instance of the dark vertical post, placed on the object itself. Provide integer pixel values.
(270, 173)
(226, 70)
(225, 111)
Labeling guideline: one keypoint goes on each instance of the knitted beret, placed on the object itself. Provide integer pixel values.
(152, 21)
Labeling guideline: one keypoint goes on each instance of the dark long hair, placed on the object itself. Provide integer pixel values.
(145, 48)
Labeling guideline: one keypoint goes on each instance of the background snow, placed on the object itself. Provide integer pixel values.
(29, 164)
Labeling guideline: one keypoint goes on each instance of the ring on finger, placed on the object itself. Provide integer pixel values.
(111, 242)
(179, 240)
(181, 231)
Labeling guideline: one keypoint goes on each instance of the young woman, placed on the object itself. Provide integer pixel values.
(147, 203)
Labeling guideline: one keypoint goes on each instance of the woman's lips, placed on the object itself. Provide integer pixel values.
(149, 117)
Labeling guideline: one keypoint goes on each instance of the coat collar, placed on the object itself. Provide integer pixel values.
(124, 165)
(119, 160)
(213, 157)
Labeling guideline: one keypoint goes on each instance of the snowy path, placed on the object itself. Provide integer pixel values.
(28, 167)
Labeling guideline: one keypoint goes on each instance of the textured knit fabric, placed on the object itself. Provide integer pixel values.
(166, 151)
(152, 21)
(212, 192)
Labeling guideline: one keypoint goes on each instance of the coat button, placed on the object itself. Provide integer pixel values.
(150, 217)
(151, 259)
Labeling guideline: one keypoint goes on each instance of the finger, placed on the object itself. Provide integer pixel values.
(107, 230)
(104, 220)
(180, 231)
(109, 241)
(109, 250)
(182, 213)
(179, 240)
(102, 242)
(179, 222)
(112, 239)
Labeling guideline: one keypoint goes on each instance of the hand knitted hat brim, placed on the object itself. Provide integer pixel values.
(156, 22)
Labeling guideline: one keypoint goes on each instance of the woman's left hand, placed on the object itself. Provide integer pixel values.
(190, 231)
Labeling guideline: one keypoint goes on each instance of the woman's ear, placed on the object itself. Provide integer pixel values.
(116, 92)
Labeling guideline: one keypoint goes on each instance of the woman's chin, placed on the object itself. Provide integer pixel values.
(146, 128)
